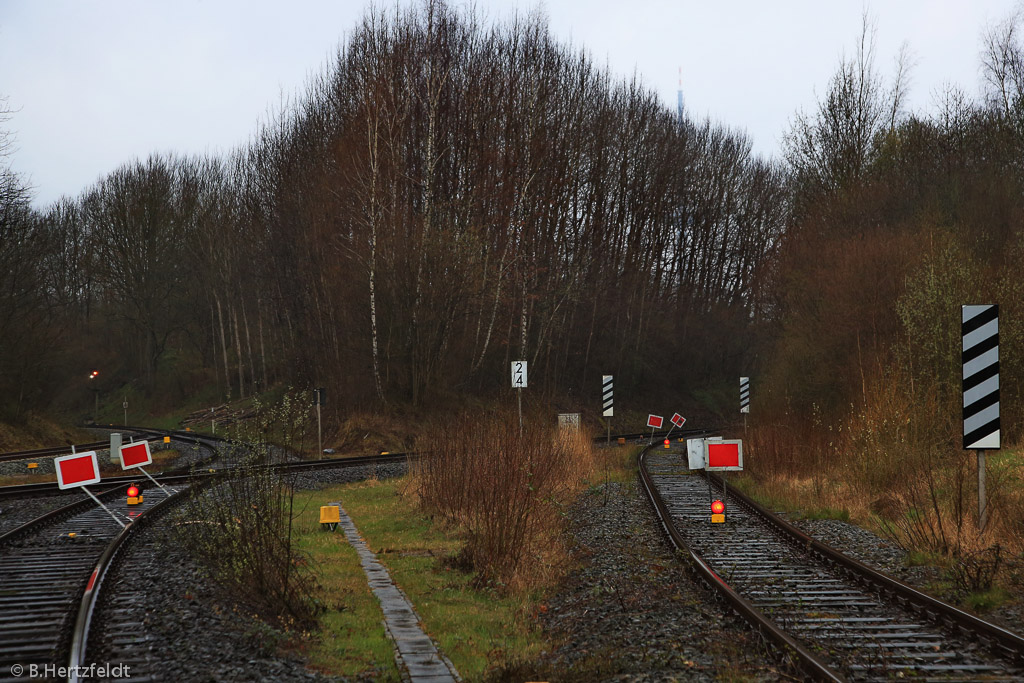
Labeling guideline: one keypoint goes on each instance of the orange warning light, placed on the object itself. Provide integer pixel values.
(717, 507)
(133, 491)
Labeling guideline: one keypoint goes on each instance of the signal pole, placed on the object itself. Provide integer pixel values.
(319, 393)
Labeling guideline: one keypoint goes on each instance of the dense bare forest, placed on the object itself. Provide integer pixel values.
(449, 196)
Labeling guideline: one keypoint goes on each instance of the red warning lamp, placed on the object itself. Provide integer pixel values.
(718, 512)
(667, 442)
(134, 495)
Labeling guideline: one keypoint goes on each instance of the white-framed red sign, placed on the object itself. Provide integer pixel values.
(678, 419)
(723, 456)
(135, 455)
(654, 421)
(77, 469)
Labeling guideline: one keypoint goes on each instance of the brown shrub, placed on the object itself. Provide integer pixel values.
(896, 464)
(505, 490)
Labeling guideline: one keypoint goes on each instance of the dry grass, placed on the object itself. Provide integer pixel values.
(36, 431)
(365, 433)
(896, 467)
(160, 457)
(505, 492)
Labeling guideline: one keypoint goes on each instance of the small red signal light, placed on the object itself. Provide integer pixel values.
(93, 374)
(718, 507)
(133, 491)
(667, 443)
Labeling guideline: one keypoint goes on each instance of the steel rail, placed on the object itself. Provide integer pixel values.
(49, 487)
(83, 619)
(60, 513)
(17, 490)
(74, 645)
(62, 450)
(805, 660)
(90, 598)
(53, 450)
(928, 607)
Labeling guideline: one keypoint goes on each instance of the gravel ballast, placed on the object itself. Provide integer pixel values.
(17, 511)
(628, 611)
(890, 559)
(185, 632)
(631, 612)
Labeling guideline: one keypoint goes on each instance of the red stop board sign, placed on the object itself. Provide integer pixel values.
(77, 469)
(654, 421)
(723, 455)
(135, 455)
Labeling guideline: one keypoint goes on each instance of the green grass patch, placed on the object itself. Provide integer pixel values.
(476, 629)
(168, 422)
(615, 463)
(747, 485)
(984, 601)
(778, 502)
(828, 513)
(923, 558)
(351, 640)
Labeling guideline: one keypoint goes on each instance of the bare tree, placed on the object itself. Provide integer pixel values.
(1002, 61)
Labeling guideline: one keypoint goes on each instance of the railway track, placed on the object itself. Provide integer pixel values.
(835, 618)
(49, 563)
(46, 566)
(63, 450)
(52, 571)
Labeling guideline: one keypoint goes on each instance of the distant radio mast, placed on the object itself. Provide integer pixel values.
(679, 110)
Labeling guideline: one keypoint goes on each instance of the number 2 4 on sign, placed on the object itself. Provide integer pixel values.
(519, 374)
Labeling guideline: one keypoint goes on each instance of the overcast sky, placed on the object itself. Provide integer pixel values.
(93, 84)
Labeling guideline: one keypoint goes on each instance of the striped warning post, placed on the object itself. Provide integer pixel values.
(606, 396)
(744, 394)
(980, 329)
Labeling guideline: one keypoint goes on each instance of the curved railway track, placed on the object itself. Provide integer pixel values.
(93, 445)
(52, 570)
(835, 618)
(46, 565)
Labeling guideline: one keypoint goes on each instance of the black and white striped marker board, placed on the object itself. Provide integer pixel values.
(744, 394)
(980, 329)
(606, 396)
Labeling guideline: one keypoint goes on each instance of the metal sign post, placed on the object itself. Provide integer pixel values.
(519, 383)
(319, 394)
(125, 406)
(980, 356)
(97, 501)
